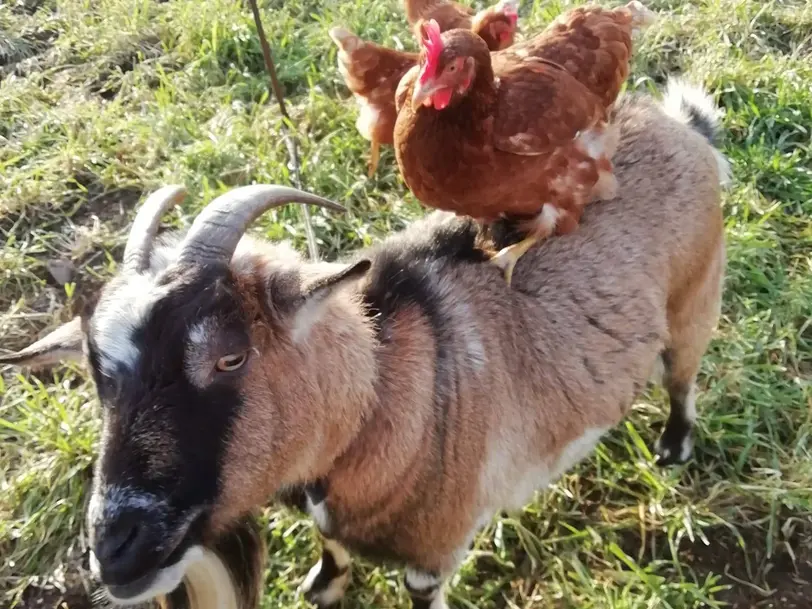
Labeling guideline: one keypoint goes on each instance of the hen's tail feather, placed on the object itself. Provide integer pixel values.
(344, 39)
(692, 105)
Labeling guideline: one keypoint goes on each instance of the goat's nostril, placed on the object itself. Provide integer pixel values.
(126, 540)
(122, 545)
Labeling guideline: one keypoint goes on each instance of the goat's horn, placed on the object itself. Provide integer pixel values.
(145, 226)
(215, 233)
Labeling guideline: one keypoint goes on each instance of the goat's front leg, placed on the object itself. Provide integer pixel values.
(426, 589)
(327, 581)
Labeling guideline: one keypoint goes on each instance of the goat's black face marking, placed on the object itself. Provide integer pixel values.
(164, 436)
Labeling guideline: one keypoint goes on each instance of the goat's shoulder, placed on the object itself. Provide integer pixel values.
(416, 267)
(439, 236)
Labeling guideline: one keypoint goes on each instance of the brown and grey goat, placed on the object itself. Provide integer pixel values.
(401, 398)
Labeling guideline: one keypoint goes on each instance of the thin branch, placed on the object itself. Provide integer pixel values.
(290, 139)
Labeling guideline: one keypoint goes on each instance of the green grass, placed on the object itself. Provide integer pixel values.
(102, 101)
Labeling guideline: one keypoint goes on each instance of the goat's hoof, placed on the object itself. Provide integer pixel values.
(321, 591)
(674, 448)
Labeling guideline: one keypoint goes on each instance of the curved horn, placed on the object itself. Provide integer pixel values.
(215, 233)
(145, 226)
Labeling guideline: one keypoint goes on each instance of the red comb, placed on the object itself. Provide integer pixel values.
(509, 10)
(434, 47)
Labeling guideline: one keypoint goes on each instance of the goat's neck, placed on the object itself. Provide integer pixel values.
(335, 388)
(397, 425)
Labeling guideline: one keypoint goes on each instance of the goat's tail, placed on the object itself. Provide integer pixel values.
(228, 577)
(692, 105)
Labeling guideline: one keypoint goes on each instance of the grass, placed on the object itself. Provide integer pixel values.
(102, 101)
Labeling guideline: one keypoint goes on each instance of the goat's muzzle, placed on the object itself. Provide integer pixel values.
(140, 545)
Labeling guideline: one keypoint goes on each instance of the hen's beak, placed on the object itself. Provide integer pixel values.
(422, 93)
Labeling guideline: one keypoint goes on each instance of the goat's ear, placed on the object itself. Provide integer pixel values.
(65, 344)
(316, 292)
(322, 287)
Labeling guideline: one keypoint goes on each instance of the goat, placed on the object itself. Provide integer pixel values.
(402, 397)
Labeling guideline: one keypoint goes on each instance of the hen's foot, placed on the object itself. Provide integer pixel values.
(507, 258)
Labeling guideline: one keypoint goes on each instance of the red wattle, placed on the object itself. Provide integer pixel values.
(442, 98)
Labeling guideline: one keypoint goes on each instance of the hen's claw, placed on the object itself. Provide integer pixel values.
(507, 257)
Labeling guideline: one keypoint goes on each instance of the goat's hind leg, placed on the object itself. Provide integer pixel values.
(327, 581)
(675, 444)
(691, 326)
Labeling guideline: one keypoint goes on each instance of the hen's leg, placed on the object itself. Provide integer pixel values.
(606, 186)
(374, 156)
(507, 258)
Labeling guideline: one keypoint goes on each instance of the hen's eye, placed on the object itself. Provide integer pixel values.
(232, 361)
(452, 68)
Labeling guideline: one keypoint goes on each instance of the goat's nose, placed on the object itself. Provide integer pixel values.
(123, 548)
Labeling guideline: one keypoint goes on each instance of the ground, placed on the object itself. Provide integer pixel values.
(103, 101)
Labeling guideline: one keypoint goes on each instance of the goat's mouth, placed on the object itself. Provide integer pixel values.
(136, 590)
(168, 574)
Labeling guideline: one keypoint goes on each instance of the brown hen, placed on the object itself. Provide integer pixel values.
(501, 135)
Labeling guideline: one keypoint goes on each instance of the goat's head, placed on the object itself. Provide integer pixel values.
(177, 345)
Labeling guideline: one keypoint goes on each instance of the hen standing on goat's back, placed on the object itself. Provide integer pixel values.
(509, 134)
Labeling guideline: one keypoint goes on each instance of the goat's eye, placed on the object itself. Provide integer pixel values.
(231, 362)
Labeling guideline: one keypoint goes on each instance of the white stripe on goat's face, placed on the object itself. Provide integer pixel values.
(118, 315)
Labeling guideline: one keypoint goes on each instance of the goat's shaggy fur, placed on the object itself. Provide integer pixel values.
(404, 398)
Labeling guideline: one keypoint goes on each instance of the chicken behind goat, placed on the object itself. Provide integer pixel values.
(372, 73)
(495, 24)
(516, 137)
(448, 14)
